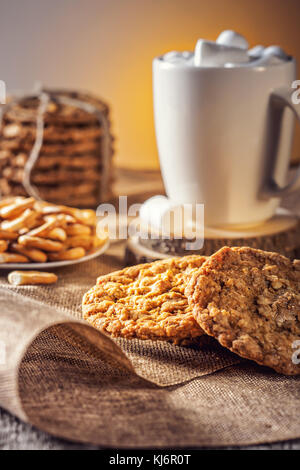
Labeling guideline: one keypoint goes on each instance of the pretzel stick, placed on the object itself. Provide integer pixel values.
(47, 208)
(23, 230)
(83, 216)
(43, 230)
(10, 200)
(14, 210)
(62, 219)
(57, 233)
(98, 242)
(12, 258)
(18, 278)
(32, 222)
(85, 242)
(40, 243)
(3, 245)
(16, 224)
(78, 229)
(86, 216)
(53, 210)
(32, 253)
(6, 235)
(72, 253)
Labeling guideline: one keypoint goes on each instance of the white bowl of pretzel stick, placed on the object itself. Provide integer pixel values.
(40, 235)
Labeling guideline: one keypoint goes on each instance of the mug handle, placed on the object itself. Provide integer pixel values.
(280, 99)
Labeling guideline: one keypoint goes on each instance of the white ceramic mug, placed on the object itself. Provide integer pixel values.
(224, 137)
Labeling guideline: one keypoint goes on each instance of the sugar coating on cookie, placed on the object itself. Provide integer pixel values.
(249, 300)
(146, 301)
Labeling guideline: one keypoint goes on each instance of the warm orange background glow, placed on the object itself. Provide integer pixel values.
(107, 46)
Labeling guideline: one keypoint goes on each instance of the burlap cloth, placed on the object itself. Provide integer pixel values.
(70, 380)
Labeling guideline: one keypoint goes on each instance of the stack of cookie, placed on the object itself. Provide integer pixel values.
(74, 164)
(247, 299)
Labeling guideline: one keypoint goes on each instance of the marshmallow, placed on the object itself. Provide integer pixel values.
(275, 51)
(232, 39)
(271, 55)
(229, 50)
(256, 51)
(211, 54)
(163, 214)
(187, 54)
(174, 56)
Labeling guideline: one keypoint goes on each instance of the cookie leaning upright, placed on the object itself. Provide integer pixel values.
(146, 301)
(249, 300)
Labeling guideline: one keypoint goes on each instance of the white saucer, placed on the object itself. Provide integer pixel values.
(143, 252)
(282, 221)
(56, 264)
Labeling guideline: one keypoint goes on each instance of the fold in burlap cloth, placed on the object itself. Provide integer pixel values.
(66, 378)
(70, 380)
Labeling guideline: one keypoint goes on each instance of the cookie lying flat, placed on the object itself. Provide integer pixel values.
(146, 301)
(25, 110)
(249, 300)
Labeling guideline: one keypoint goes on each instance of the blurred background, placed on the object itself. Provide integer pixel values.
(107, 47)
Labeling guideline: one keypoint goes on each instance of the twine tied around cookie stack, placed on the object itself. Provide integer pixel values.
(56, 146)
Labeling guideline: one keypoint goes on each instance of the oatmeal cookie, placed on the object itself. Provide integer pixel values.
(87, 196)
(67, 190)
(249, 300)
(51, 133)
(54, 148)
(56, 176)
(48, 162)
(25, 110)
(146, 301)
(83, 201)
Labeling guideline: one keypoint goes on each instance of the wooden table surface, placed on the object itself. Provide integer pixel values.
(16, 435)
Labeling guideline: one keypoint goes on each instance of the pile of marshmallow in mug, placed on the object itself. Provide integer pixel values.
(230, 47)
